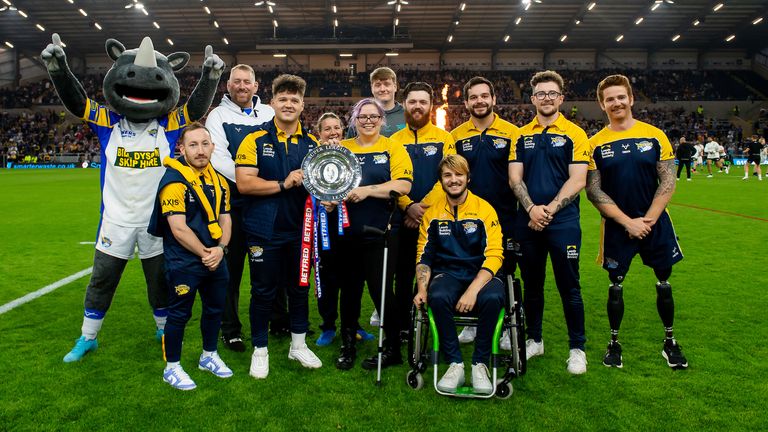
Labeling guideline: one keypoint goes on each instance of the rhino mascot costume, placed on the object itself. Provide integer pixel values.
(137, 130)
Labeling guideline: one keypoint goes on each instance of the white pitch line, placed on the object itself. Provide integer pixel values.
(44, 290)
(88, 242)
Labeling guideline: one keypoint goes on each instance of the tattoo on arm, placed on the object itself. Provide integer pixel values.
(665, 170)
(422, 274)
(563, 202)
(521, 192)
(594, 192)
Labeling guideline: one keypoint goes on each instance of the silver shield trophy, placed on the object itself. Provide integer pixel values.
(331, 172)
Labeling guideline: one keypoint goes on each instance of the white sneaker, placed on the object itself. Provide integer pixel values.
(481, 382)
(215, 365)
(688, 179)
(178, 379)
(453, 378)
(260, 363)
(533, 348)
(505, 343)
(745, 178)
(375, 320)
(305, 356)
(577, 362)
(467, 335)
(709, 176)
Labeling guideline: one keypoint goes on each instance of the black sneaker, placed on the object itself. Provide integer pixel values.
(233, 343)
(390, 357)
(612, 356)
(673, 354)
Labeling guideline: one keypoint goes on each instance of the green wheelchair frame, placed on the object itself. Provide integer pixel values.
(511, 319)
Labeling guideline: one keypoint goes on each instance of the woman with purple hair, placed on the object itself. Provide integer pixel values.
(386, 168)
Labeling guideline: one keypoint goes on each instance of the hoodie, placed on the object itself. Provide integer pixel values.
(228, 120)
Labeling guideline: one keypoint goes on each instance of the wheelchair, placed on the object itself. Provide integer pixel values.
(424, 347)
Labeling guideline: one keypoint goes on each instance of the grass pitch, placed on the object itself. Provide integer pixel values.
(720, 297)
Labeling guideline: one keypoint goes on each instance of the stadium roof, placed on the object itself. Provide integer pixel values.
(382, 25)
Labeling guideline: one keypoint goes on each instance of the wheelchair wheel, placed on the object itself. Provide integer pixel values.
(415, 380)
(504, 390)
(517, 331)
(417, 340)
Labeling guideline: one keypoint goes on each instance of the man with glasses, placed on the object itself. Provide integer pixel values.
(486, 142)
(548, 171)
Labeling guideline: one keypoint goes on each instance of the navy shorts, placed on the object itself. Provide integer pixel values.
(658, 250)
(755, 159)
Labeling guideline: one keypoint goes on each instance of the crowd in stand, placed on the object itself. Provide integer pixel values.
(512, 86)
(45, 134)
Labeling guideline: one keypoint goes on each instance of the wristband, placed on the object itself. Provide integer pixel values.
(530, 208)
(409, 206)
(282, 185)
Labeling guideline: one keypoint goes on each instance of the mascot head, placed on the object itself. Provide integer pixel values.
(141, 85)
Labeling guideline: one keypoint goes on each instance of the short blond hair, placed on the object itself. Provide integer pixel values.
(243, 67)
(454, 162)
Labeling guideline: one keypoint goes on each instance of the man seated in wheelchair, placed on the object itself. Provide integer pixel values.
(459, 255)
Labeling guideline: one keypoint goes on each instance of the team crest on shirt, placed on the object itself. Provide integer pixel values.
(153, 132)
(528, 143)
(558, 141)
(443, 228)
(268, 150)
(469, 227)
(466, 145)
(606, 152)
(611, 263)
(106, 242)
(181, 289)
(380, 159)
(499, 143)
(644, 146)
(255, 253)
(430, 150)
(571, 252)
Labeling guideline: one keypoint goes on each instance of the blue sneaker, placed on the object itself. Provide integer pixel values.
(81, 348)
(178, 379)
(363, 335)
(214, 364)
(159, 335)
(326, 338)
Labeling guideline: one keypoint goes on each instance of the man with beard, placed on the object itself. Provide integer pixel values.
(240, 107)
(548, 171)
(191, 215)
(487, 141)
(384, 90)
(631, 179)
(460, 244)
(426, 145)
(268, 174)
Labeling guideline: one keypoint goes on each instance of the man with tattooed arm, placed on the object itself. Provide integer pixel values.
(546, 173)
(631, 179)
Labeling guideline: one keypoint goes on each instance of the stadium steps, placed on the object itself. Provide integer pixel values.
(747, 85)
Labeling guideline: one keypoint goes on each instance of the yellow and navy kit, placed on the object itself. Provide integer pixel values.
(426, 147)
(546, 154)
(381, 162)
(275, 154)
(488, 153)
(460, 240)
(176, 195)
(627, 163)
